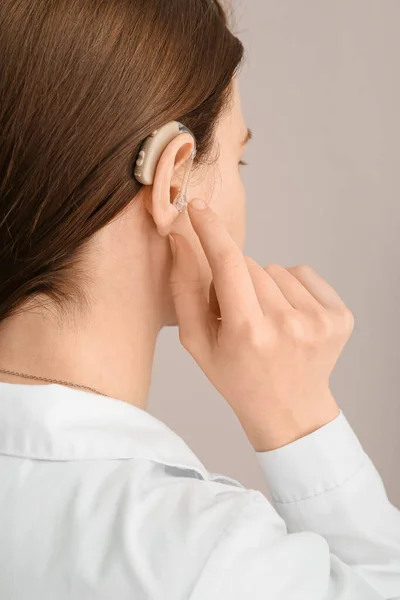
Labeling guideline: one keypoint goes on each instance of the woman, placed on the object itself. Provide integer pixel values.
(99, 499)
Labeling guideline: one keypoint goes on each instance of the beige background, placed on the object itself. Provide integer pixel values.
(321, 91)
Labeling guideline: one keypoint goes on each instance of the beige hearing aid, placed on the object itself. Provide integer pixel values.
(150, 152)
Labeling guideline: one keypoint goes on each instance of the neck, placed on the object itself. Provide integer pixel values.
(111, 349)
(111, 355)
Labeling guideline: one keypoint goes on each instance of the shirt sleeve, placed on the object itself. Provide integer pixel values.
(256, 558)
(326, 484)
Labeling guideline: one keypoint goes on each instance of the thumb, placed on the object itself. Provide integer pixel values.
(191, 306)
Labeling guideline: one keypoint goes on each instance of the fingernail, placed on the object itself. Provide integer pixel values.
(172, 244)
(198, 204)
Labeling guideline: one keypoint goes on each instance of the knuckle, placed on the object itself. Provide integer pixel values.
(176, 287)
(302, 269)
(294, 326)
(187, 287)
(252, 334)
(324, 326)
(273, 268)
(346, 319)
(349, 319)
(311, 331)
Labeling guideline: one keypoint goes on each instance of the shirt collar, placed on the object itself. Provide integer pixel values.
(55, 422)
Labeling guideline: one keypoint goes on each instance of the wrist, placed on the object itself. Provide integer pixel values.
(271, 430)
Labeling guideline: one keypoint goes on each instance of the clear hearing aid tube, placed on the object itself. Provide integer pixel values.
(180, 202)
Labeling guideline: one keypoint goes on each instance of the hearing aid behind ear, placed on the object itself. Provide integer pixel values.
(150, 152)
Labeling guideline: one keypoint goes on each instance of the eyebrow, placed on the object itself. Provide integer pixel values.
(248, 136)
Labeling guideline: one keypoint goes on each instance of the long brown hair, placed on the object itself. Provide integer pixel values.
(82, 83)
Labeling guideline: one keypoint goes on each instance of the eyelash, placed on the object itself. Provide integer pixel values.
(243, 163)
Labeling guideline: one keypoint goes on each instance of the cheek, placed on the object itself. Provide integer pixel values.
(223, 190)
(229, 201)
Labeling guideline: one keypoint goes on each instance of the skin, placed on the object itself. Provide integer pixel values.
(111, 349)
(281, 331)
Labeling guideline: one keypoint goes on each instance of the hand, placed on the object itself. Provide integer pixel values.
(279, 337)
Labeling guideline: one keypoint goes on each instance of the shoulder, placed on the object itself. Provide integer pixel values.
(160, 524)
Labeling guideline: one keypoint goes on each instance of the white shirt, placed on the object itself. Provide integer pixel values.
(100, 500)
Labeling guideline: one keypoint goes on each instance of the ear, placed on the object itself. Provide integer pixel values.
(166, 182)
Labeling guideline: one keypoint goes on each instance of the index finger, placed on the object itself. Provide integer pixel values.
(232, 281)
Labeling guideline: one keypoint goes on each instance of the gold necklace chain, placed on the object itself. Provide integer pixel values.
(52, 380)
